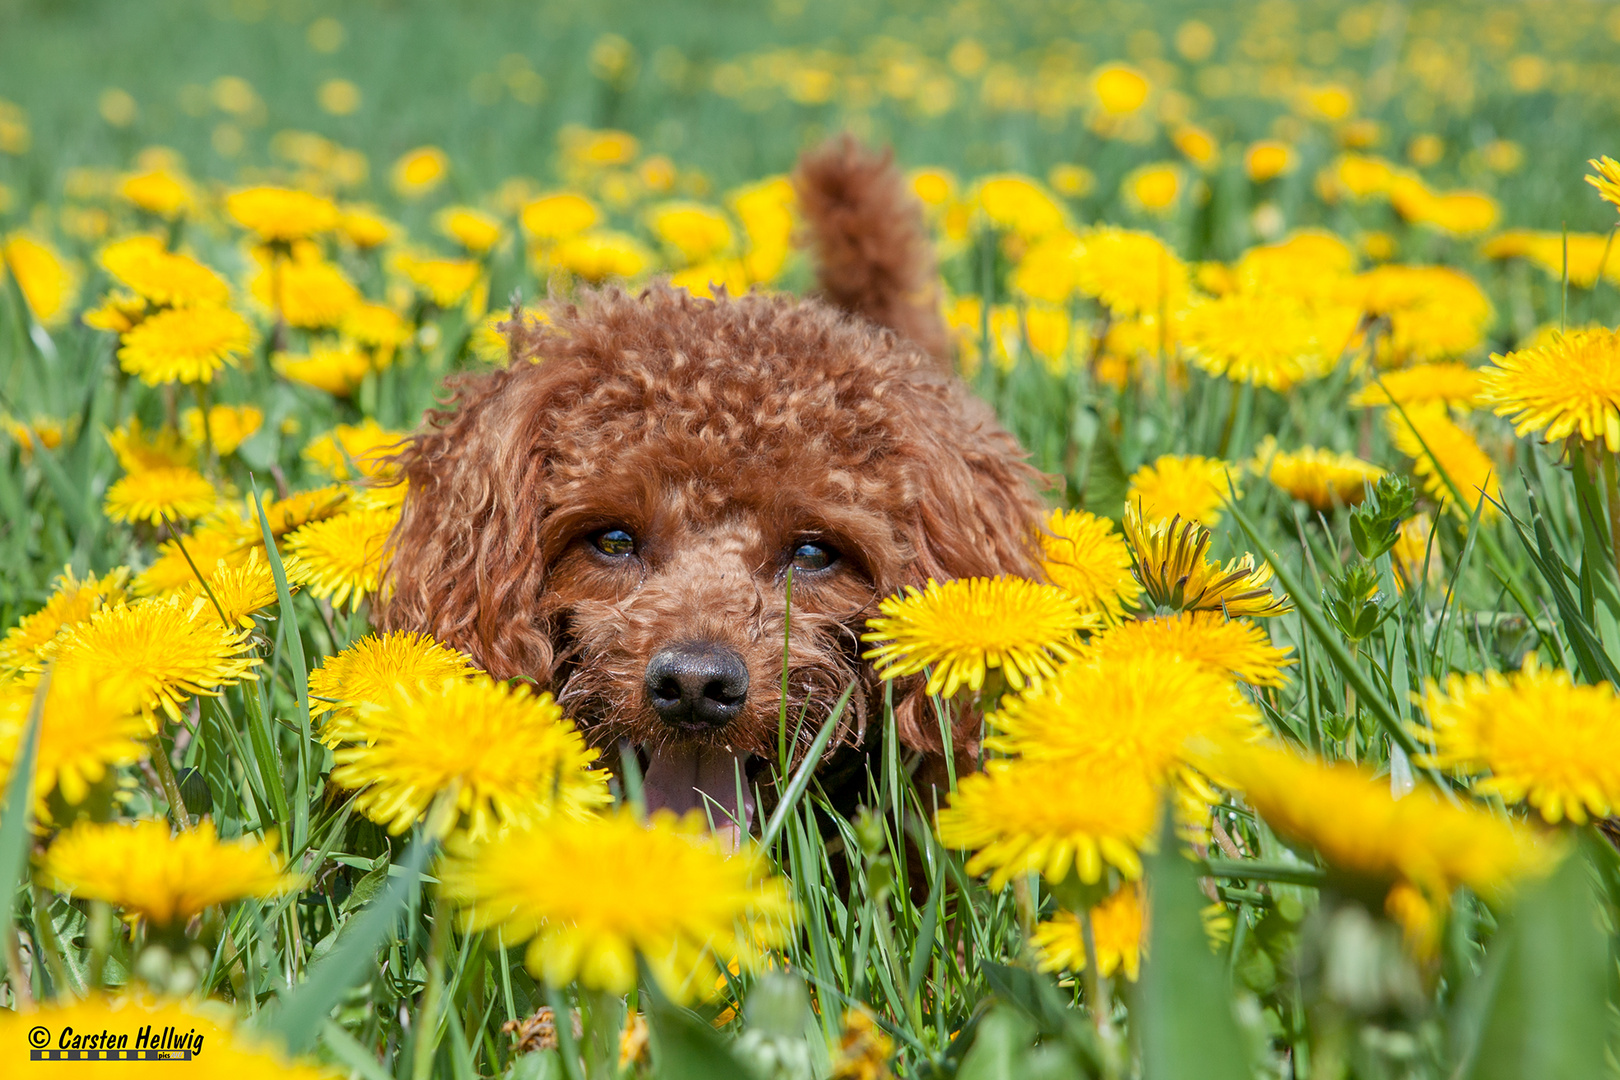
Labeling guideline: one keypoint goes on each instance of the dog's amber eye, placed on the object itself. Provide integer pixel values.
(614, 542)
(813, 557)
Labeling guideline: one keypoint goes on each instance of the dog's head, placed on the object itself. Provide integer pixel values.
(616, 514)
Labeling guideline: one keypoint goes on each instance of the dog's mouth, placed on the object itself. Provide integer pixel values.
(683, 775)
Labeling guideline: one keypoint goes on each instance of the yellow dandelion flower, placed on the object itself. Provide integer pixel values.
(1607, 180)
(419, 171)
(766, 211)
(1130, 273)
(1414, 550)
(1432, 312)
(1197, 145)
(1119, 930)
(340, 559)
(305, 289)
(153, 494)
(1231, 647)
(40, 430)
(88, 725)
(474, 230)
(1363, 176)
(118, 314)
(47, 282)
(551, 218)
(864, 1049)
(1323, 478)
(166, 278)
(159, 191)
(208, 1029)
(1017, 204)
(1570, 385)
(1171, 566)
(447, 282)
(302, 507)
(189, 345)
(282, 215)
(964, 627)
(229, 426)
(1457, 385)
(1048, 817)
(164, 649)
(1143, 712)
(696, 233)
(370, 671)
(337, 369)
(1187, 485)
(1441, 452)
(1311, 265)
(378, 327)
(137, 450)
(1267, 159)
(504, 756)
(1154, 188)
(599, 256)
(1089, 560)
(71, 602)
(1349, 817)
(239, 590)
(351, 450)
(1048, 271)
(365, 228)
(664, 891)
(1536, 736)
(143, 868)
(1120, 89)
(492, 339)
(1268, 339)
(206, 546)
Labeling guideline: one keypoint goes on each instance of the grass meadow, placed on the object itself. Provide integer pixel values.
(1307, 309)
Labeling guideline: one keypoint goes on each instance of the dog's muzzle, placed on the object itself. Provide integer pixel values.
(697, 688)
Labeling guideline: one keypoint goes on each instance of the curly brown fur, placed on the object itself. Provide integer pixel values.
(721, 434)
(870, 245)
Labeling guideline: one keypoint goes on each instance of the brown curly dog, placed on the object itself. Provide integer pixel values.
(617, 518)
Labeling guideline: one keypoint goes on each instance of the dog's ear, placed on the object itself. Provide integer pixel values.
(463, 562)
(976, 513)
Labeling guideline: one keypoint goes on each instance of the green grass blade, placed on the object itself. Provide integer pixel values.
(304, 1010)
(17, 812)
(801, 779)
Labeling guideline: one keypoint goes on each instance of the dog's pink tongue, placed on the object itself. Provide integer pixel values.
(678, 778)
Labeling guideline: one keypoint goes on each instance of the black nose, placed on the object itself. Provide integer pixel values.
(697, 683)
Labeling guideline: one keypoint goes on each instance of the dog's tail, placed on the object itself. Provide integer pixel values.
(869, 241)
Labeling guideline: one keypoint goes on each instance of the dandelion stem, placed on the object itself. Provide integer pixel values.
(1097, 997)
(1611, 484)
(427, 1018)
(171, 787)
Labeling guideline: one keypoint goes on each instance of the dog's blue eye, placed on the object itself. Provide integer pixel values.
(813, 557)
(615, 542)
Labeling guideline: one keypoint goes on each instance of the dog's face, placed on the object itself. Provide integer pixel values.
(620, 522)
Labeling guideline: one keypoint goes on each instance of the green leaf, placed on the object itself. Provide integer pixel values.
(1182, 1006)
(1000, 1046)
(1545, 985)
(684, 1045)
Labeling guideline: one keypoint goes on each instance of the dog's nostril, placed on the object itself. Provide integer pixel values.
(697, 683)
